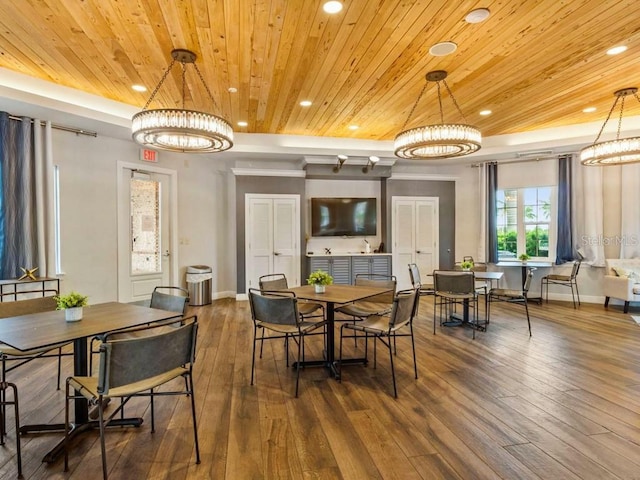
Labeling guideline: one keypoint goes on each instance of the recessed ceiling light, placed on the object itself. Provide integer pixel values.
(139, 88)
(485, 112)
(353, 127)
(242, 124)
(443, 48)
(232, 90)
(332, 7)
(478, 15)
(589, 109)
(306, 103)
(617, 50)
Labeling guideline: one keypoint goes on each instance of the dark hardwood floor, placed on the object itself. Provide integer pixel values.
(563, 404)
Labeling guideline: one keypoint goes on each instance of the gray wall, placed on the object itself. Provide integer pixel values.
(446, 192)
(268, 185)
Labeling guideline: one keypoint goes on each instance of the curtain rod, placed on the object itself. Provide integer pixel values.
(77, 131)
(527, 160)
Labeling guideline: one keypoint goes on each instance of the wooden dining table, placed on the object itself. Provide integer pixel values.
(335, 295)
(43, 329)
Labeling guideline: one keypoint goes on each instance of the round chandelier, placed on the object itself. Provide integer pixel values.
(618, 151)
(443, 140)
(180, 129)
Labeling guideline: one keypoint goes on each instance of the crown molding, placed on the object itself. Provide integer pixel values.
(256, 172)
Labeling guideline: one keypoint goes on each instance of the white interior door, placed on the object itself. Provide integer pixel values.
(272, 237)
(414, 236)
(145, 232)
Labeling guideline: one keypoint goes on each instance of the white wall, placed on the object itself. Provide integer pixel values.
(206, 213)
(88, 171)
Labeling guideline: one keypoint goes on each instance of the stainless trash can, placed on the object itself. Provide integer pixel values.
(199, 284)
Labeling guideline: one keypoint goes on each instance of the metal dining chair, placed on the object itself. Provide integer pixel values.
(570, 281)
(277, 312)
(386, 328)
(453, 288)
(135, 366)
(512, 296)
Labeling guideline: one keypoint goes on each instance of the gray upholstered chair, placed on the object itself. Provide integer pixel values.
(376, 305)
(570, 281)
(278, 281)
(174, 299)
(424, 287)
(512, 296)
(134, 367)
(454, 288)
(387, 328)
(277, 312)
(46, 303)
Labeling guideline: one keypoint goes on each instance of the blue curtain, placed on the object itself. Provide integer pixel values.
(492, 213)
(564, 247)
(18, 239)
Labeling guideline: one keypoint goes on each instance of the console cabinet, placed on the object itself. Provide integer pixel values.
(344, 269)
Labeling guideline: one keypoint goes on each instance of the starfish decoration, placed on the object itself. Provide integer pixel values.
(29, 273)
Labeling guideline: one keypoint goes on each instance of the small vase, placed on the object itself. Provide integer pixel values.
(73, 314)
(320, 288)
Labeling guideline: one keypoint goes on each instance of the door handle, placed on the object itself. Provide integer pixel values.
(166, 253)
(418, 251)
(276, 253)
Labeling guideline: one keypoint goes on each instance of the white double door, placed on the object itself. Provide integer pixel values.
(272, 226)
(414, 236)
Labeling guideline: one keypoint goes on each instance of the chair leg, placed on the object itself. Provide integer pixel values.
(340, 354)
(60, 366)
(103, 447)
(3, 386)
(66, 428)
(300, 340)
(253, 356)
(153, 413)
(626, 307)
(393, 372)
(526, 308)
(606, 302)
(413, 347)
(190, 393)
(577, 292)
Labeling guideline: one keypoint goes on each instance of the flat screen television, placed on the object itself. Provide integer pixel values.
(339, 217)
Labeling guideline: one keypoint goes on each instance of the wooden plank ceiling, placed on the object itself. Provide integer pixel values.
(534, 63)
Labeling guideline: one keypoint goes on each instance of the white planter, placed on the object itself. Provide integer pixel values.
(320, 288)
(73, 314)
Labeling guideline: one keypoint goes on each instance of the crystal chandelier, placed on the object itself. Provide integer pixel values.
(179, 129)
(443, 140)
(618, 151)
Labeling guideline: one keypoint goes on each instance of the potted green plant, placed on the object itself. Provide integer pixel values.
(72, 304)
(466, 265)
(320, 279)
(524, 257)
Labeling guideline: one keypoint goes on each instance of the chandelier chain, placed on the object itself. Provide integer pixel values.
(440, 103)
(206, 87)
(620, 119)
(452, 98)
(414, 108)
(607, 119)
(155, 90)
(184, 84)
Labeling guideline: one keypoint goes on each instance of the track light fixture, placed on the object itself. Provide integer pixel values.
(341, 160)
(372, 161)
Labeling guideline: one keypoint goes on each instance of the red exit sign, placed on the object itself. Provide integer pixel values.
(148, 155)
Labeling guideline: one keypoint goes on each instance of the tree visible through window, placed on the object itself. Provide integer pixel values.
(524, 218)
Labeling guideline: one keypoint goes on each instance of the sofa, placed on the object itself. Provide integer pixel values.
(622, 280)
